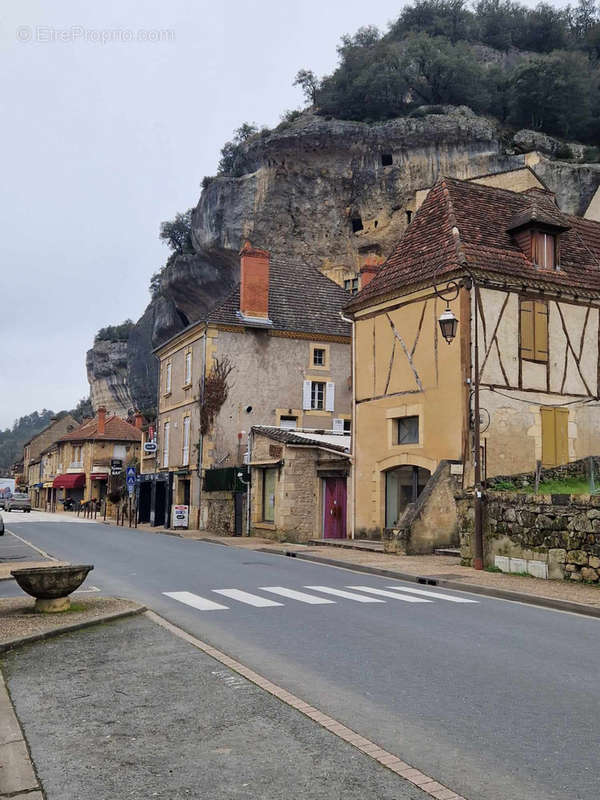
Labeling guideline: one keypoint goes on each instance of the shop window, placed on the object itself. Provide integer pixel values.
(268, 495)
(407, 430)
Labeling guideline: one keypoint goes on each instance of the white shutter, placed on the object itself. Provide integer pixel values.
(330, 397)
(338, 425)
(306, 395)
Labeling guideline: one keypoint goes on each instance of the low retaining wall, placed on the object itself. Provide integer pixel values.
(573, 469)
(560, 530)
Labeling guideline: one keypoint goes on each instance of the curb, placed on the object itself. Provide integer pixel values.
(555, 604)
(36, 637)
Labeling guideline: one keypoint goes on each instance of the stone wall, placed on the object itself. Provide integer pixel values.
(560, 530)
(219, 513)
(573, 469)
(431, 521)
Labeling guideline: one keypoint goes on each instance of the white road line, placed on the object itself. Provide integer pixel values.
(438, 595)
(196, 601)
(246, 597)
(347, 595)
(384, 593)
(294, 595)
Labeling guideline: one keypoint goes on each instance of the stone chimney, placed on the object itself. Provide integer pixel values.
(138, 420)
(101, 420)
(254, 282)
(369, 269)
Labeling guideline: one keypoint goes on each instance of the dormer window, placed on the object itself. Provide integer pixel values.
(543, 250)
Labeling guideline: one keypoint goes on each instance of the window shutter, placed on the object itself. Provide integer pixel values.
(561, 437)
(338, 425)
(548, 438)
(527, 329)
(330, 397)
(540, 334)
(306, 395)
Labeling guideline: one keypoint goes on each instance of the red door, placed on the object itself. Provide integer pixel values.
(334, 509)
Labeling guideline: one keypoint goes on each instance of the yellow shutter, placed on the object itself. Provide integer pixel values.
(541, 330)
(548, 438)
(527, 329)
(561, 437)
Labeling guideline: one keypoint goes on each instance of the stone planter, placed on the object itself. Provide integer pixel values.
(51, 586)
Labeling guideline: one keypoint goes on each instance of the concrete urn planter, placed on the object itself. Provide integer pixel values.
(51, 586)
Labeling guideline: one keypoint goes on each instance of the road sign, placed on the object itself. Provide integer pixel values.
(150, 447)
(131, 479)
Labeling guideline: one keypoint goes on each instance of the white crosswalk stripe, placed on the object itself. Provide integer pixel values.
(347, 595)
(246, 597)
(437, 595)
(196, 601)
(385, 593)
(302, 597)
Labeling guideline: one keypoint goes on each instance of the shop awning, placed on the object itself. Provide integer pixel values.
(99, 476)
(70, 480)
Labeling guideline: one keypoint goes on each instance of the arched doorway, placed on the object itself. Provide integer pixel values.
(402, 486)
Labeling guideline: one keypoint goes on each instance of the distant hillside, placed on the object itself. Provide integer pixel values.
(24, 428)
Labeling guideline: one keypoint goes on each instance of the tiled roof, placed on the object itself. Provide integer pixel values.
(301, 299)
(116, 429)
(289, 436)
(461, 222)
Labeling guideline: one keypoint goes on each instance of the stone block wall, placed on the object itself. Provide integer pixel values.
(561, 530)
(574, 469)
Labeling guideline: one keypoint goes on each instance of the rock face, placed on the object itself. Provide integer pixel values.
(322, 191)
(106, 365)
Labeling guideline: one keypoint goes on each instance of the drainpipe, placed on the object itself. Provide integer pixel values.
(353, 431)
(201, 440)
(249, 489)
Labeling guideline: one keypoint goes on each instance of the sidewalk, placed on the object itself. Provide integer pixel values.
(128, 710)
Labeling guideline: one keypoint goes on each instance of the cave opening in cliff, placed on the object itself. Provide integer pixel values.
(386, 160)
(357, 224)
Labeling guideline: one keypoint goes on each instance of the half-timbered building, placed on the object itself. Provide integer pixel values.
(536, 274)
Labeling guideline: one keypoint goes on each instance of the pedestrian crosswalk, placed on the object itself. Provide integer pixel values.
(354, 594)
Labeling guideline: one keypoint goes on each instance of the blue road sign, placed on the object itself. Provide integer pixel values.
(131, 478)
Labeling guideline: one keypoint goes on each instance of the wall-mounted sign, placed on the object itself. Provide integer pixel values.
(150, 447)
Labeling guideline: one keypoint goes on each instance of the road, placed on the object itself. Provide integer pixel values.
(497, 700)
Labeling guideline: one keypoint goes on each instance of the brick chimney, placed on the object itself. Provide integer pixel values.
(101, 420)
(254, 282)
(138, 420)
(369, 269)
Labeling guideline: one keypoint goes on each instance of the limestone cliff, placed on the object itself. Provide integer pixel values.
(329, 192)
(106, 365)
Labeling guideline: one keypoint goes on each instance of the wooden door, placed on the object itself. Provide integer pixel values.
(334, 508)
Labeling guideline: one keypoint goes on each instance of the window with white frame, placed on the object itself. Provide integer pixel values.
(317, 395)
(188, 368)
(168, 378)
(186, 441)
(166, 432)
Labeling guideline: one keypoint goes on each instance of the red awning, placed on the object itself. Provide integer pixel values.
(70, 480)
(99, 476)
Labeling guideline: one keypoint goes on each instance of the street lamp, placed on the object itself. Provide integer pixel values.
(449, 326)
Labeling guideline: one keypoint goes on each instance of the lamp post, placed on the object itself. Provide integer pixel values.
(449, 326)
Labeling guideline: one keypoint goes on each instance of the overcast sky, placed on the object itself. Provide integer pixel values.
(102, 140)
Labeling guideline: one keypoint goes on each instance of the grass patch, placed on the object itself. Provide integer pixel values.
(493, 569)
(575, 485)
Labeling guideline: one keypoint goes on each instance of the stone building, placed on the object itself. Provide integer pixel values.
(83, 458)
(282, 334)
(298, 483)
(32, 450)
(537, 278)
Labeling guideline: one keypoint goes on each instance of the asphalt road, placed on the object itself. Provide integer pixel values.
(497, 700)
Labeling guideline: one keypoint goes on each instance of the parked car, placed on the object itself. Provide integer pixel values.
(18, 502)
(1, 526)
